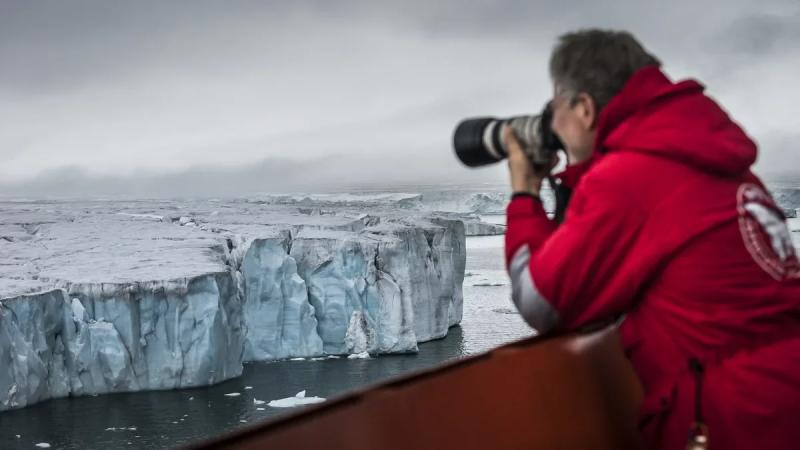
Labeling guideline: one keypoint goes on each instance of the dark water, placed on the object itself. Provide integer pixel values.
(169, 418)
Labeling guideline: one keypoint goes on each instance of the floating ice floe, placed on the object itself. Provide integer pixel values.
(298, 400)
(247, 388)
(233, 394)
(362, 355)
(121, 429)
(43, 445)
(258, 402)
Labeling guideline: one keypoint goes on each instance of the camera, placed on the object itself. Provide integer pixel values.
(479, 141)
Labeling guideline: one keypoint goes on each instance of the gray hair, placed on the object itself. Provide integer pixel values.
(597, 62)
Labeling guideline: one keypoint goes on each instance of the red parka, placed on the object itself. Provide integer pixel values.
(668, 228)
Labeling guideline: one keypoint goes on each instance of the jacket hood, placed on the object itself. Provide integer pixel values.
(674, 120)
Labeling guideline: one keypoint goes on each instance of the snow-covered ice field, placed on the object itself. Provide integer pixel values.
(116, 296)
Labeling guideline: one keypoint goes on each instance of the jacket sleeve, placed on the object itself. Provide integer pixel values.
(582, 271)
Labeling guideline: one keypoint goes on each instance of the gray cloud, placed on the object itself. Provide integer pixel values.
(759, 34)
(272, 175)
(105, 90)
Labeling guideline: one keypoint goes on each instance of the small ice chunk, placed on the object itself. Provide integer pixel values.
(505, 311)
(298, 400)
(242, 421)
(111, 429)
(362, 355)
(142, 216)
(43, 445)
(18, 436)
(233, 394)
(258, 402)
(488, 278)
(247, 388)
(297, 359)
(131, 428)
(191, 398)
(259, 409)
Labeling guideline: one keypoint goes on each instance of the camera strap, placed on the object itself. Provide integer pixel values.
(562, 193)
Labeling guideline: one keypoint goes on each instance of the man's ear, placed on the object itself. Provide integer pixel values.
(587, 110)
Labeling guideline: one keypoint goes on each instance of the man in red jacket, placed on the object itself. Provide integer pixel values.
(668, 227)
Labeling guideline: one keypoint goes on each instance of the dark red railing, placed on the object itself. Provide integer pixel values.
(570, 392)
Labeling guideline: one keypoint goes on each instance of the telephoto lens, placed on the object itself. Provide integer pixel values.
(479, 141)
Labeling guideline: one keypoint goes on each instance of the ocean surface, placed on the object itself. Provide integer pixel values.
(165, 419)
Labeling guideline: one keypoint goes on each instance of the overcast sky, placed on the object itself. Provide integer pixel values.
(162, 98)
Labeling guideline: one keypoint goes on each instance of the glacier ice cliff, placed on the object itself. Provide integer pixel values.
(100, 296)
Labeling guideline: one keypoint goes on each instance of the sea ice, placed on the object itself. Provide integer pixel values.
(487, 278)
(298, 400)
(118, 296)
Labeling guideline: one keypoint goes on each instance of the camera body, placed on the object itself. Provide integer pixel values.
(479, 141)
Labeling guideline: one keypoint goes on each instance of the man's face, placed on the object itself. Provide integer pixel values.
(574, 123)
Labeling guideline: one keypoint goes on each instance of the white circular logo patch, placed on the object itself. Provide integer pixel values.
(765, 233)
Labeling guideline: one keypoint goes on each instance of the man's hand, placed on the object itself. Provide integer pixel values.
(524, 177)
